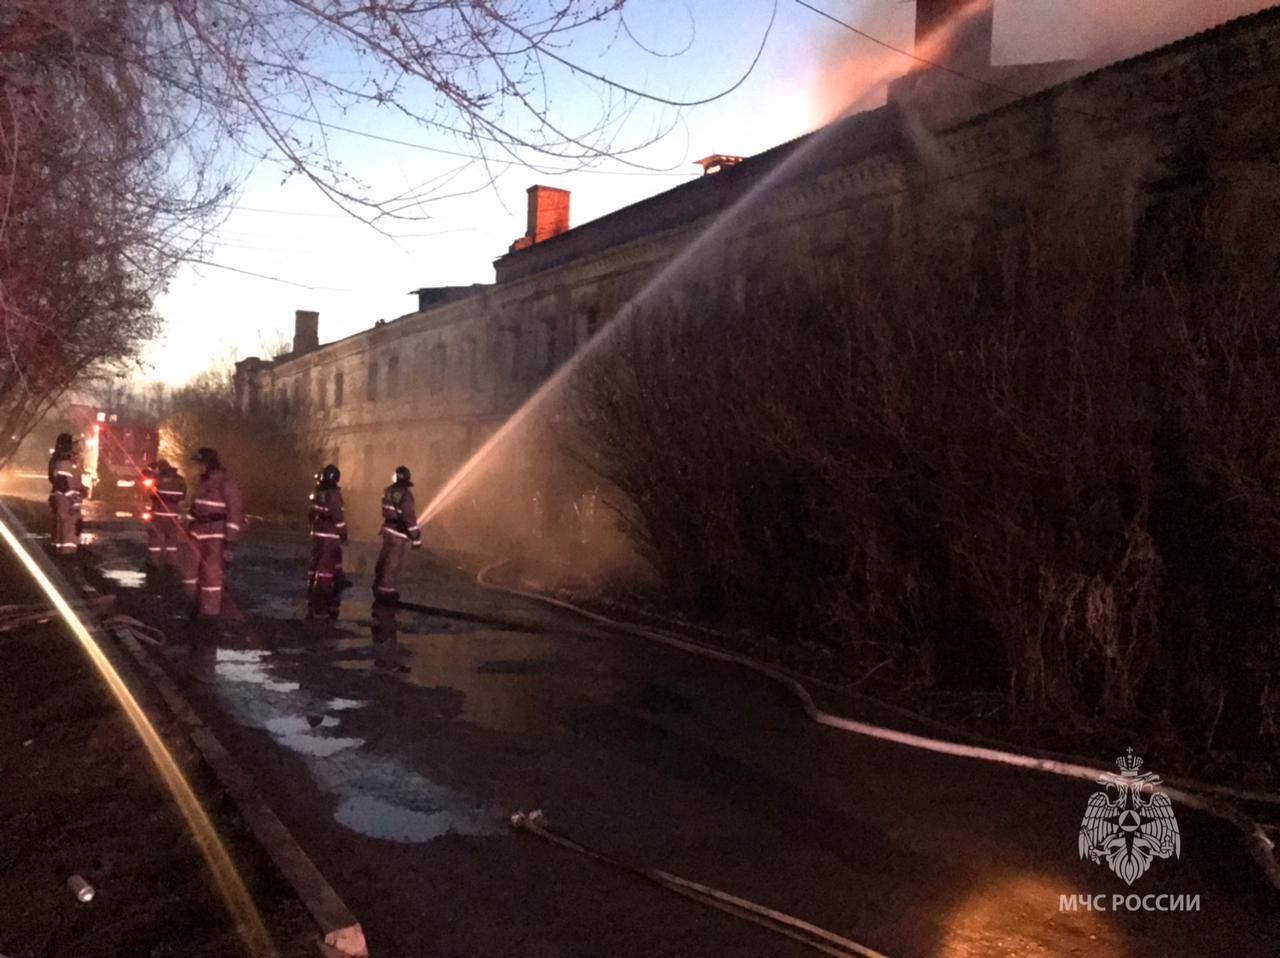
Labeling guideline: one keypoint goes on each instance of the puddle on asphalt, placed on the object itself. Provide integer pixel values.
(343, 705)
(503, 681)
(396, 823)
(302, 734)
(246, 665)
(127, 578)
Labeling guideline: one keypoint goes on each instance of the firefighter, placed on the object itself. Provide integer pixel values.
(399, 526)
(328, 533)
(163, 492)
(215, 517)
(65, 495)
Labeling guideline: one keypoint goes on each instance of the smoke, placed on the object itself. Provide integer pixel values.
(1031, 31)
(854, 73)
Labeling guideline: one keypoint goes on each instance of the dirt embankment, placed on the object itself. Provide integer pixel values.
(80, 796)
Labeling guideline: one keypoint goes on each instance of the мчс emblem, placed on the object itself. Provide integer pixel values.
(1133, 825)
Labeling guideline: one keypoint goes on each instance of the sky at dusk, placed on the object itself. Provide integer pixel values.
(321, 259)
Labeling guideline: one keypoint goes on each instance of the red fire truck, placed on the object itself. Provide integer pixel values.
(116, 451)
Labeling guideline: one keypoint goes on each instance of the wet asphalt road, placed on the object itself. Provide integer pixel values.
(396, 748)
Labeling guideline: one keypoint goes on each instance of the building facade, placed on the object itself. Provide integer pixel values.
(428, 388)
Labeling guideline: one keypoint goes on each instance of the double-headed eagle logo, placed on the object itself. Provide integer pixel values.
(1130, 823)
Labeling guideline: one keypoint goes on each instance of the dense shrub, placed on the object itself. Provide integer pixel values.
(1044, 470)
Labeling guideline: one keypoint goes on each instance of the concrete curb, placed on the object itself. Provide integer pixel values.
(340, 932)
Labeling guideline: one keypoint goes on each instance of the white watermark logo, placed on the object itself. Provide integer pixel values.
(1130, 823)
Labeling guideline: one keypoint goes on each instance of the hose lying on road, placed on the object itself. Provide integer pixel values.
(669, 627)
(19, 616)
(1261, 847)
(461, 616)
(796, 929)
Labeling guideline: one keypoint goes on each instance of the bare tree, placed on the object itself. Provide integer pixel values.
(123, 124)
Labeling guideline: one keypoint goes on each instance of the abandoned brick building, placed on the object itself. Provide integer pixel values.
(450, 372)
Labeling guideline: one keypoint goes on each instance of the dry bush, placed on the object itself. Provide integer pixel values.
(1042, 467)
(272, 456)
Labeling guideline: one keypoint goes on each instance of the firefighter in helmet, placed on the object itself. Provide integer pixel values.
(163, 490)
(399, 528)
(214, 520)
(65, 495)
(328, 533)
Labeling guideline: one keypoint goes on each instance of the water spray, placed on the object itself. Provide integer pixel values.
(939, 40)
(226, 877)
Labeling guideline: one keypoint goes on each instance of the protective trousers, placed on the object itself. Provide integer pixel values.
(209, 574)
(66, 520)
(164, 540)
(326, 562)
(386, 574)
(326, 571)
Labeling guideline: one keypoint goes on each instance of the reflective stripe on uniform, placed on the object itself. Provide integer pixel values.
(326, 535)
(208, 535)
(393, 532)
(210, 588)
(232, 525)
(211, 502)
(154, 549)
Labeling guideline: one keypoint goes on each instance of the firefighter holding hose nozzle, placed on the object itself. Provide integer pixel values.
(213, 523)
(399, 528)
(163, 490)
(328, 534)
(65, 495)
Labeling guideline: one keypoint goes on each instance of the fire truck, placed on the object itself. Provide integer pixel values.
(116, 450)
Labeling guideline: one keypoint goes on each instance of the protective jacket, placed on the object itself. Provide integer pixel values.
(328, 532)
(167, 544)
(64, 502)
(216, 515)
(399, 515)
(399, 528)
(327, 518)
(64, 475)
(216, 509)
(165, 494)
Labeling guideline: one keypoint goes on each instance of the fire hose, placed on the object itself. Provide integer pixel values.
(1261, 846)
(796, 929)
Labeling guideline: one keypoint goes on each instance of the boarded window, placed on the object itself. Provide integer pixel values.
(371, 384)
(393, 377)
(550, 344)
(470, 363)
(439, 367)
(511, 353)
(337, 389)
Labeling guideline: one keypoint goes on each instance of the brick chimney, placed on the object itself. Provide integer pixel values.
(306, 331)
(548, 213)
(969, 41)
